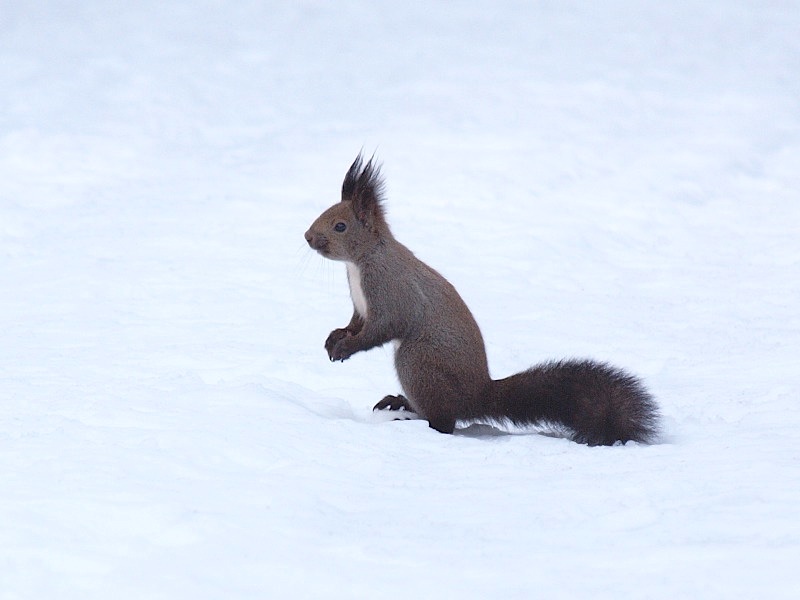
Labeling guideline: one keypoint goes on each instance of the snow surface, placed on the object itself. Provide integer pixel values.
(614, 179)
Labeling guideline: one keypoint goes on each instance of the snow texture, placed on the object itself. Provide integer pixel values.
(617, 180)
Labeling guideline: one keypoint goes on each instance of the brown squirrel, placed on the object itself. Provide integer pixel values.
(440, 356)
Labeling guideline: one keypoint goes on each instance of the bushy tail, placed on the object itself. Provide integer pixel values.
(599, 404)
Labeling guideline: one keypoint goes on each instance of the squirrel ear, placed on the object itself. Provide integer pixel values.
(351, 178)
(363, 188)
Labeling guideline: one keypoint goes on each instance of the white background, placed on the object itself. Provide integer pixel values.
(616, 180)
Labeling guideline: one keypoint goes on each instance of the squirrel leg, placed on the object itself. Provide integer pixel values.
(442, 424)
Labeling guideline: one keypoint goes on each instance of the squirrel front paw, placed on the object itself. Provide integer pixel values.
(334, 338)
(342, 350)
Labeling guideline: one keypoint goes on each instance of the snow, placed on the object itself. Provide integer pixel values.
(616, 180)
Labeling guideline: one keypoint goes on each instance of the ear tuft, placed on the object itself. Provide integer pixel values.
(363, 187)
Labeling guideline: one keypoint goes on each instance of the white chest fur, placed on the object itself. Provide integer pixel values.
(356, 291)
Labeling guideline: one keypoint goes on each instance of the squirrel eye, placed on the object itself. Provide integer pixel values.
(340, 227)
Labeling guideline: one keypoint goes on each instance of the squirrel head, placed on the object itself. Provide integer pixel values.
(357, 224)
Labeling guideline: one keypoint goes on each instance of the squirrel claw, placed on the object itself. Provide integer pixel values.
(340, 352)
(336, 336)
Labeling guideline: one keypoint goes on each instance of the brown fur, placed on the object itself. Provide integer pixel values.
(440, 357)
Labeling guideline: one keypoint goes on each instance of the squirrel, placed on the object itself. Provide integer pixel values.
(440, 357)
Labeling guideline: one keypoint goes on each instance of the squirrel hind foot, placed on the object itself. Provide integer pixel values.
(394, 403)
(399, 405)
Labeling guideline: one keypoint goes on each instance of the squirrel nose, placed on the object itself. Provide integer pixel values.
(317, 242)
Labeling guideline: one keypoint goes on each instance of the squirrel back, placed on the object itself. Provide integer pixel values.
(440, 356)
